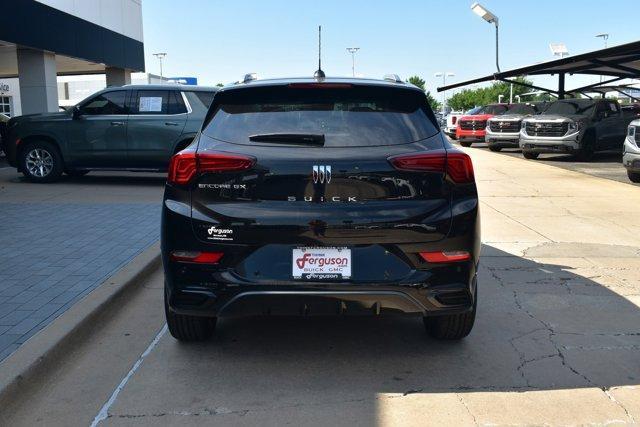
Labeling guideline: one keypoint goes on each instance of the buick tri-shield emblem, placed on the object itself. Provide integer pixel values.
(321, 174)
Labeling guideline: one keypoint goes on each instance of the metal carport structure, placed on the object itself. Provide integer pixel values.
(617, 62)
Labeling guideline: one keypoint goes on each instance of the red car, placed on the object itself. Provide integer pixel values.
(471, 127)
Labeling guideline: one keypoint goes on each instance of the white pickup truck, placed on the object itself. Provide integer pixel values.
(452, 122)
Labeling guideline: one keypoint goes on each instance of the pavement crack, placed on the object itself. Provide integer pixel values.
(607, 391)
(475, 420)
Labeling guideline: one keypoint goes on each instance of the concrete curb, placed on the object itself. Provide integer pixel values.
(31, 361)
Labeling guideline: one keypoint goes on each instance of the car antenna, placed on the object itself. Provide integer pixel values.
(319, 74)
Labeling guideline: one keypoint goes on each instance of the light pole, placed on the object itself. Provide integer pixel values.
(352, 51)
(483, 13)
(160, 56)
(444, 76)
(605, 37)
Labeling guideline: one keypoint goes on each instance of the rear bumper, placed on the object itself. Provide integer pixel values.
(319, 300)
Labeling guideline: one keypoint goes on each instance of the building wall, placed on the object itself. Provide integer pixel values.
(121, 16)
(9, 88)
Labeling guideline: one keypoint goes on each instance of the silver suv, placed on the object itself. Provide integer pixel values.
(574, 126)
(631, 156)
(503, 131)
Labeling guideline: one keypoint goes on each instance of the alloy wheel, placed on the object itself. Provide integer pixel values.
(39, 162)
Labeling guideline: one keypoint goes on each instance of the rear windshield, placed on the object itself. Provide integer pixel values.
(492, 109)
(345, 116)
(571, 106)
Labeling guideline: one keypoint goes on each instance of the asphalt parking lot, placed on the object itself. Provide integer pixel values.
(62, 240)
(606, 164)
(556, 340)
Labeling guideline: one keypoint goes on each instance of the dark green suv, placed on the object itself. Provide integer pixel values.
(134, 128)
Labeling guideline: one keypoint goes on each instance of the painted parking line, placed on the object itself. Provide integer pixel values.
(104, 411)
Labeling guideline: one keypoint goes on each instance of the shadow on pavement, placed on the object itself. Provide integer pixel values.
(540, 326)
(107, 179)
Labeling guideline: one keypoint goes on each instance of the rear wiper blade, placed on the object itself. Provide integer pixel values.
(290, 138)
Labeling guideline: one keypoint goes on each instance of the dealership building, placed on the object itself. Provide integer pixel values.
(41, 40)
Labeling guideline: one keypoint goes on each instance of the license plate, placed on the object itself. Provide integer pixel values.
(321, 263)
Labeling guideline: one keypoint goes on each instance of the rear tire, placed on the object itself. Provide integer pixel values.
(529, 155)
(40, 161)
(494, 148)
(634, 176)
(465, 143)
(188, 328)
(452, 326)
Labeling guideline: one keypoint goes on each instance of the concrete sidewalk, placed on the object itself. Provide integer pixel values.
(59, 241)
(557, 339)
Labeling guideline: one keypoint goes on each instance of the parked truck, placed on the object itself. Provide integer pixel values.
(471, 127)
(574, 126)
(503, 131)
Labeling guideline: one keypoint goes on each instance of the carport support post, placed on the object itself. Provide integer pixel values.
(117, 76)
(561, 86)
(37, 76)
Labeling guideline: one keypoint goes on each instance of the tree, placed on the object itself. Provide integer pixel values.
(433, 102)
(469, 98)
(419, 82)
(219, 85)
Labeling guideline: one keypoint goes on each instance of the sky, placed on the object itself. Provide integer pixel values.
(220, 41)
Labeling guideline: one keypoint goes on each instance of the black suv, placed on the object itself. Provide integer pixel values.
(132, 127)
(331, 196)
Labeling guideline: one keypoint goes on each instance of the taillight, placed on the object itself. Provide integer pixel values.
(186, 164)
(182, 167)
(430, 161)
(455, 163)
(196, 257)
(445, 256)
(460, 167)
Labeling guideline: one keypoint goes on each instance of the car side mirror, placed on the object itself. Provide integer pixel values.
(76, 112)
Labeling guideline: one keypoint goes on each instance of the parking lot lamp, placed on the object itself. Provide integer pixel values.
(484, 13)
(444, 76)
(352, 51)
(160, 56)
(605, 37)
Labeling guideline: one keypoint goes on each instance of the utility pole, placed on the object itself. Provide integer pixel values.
(605, 37)
(352, 51)
(160, 56)
(444, 76)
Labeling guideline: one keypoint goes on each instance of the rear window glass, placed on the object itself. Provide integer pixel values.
(346, 117)
(200, 99)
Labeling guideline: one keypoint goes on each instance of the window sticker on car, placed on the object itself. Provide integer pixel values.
(150, 104)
